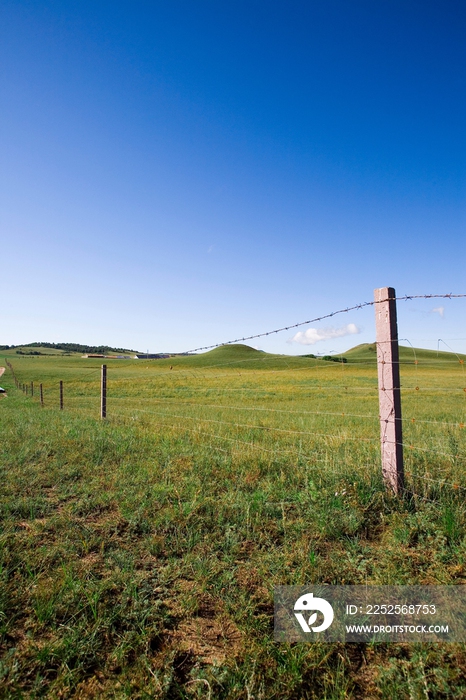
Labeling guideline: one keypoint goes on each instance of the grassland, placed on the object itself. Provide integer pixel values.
(138, 555)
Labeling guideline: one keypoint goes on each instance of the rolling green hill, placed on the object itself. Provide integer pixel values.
(366, 352)
(240, 356)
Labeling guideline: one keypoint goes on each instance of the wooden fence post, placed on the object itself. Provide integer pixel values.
(388, 369)
(32, 388)
(41, 395)
(61, 395)
(103, 392)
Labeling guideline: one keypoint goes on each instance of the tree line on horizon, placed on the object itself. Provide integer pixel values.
(69, 347)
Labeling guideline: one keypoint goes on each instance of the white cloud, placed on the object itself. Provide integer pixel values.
(440, 310)
(314, 335)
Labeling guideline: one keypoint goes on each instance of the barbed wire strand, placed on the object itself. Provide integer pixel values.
(356, 307)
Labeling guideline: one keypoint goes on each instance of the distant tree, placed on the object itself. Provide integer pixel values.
(333, 358)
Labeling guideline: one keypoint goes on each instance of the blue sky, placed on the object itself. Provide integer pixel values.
(176, 174)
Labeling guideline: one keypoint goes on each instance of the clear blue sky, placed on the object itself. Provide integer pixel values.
(179, 173)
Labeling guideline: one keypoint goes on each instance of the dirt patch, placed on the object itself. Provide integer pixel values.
(209, 636)
(248, 578)
(365, 670)
(91, 560)
(210, 640)
(183, 463)
(89, 688)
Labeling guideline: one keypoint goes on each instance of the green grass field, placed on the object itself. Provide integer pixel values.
(139, 554)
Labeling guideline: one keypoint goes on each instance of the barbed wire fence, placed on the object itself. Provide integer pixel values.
(296, 409)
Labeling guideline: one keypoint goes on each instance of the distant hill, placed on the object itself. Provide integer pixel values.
(236, 356)
(367, 352)
(69, 347)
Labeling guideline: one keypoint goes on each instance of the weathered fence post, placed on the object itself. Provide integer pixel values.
(103, 392)
(32, 388)
(61, 395)
(41, 395)
(388, 370)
